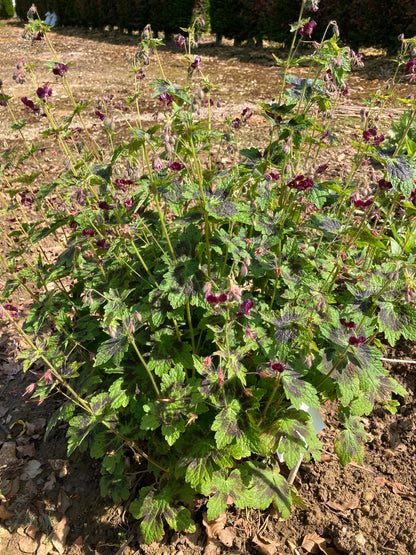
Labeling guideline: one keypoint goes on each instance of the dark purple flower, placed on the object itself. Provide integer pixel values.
(180, 41)
(27, 198)
(321, 168)
(410, 67)
(277, 367)
(196, 63)
(60, 69)
(236, 123)
(369, 133)
(301, 183)
(88, 232)
(275, 117)
(12, 310)
(246, 114)
(384, 185)
(30, 105)
(176, 166)
(357, 341)
(99, 115)
(104, 205)
(272, 176)
(307, 28)
(166, 98)
(348, 325)
(128, 203)
(140, 74)
(378, 140)
(214, 299)
(44, 92)
(245, 308)
(122, 184)
(102, 244)
(358, 203)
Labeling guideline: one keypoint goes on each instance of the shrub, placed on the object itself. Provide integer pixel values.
(194, 313)
(6, 8)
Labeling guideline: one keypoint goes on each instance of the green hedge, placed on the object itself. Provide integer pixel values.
(361, 22)
(6, 8)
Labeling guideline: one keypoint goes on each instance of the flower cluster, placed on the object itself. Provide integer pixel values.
(60, 69)
(180, 41)
(122, 184)
(166, 98)
(357, 341)
(384, 185)
(410, 69)
(301, 183)
(358, 203)
(30, 105)
(44, 92)
(371, 134)
(176, 166)
(245, 308)
(11, 310)
(307, 28)
(214, 300)
(350, 325)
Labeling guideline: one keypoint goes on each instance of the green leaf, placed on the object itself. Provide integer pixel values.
(155, 507)
(179, 518)
(269, 486)
(118, 395)
(149, 507)
(349, 444)
(397, 320)
(199, 465)
(115, 347)
(226, 426)
(298, 391)
(224, 484)
(297, 436)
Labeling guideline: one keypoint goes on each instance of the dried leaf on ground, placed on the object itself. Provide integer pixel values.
(212, 548)
(8, 453)
(265, 545)
(398, 488)
(59, 534)
(27, 450)
(28, 545)
(31, 470)
(350, 504)
(316, 545)
(31, 531)
(227, 536)
(50, 483)
(4, 513)
(63, 501)
(213, 527)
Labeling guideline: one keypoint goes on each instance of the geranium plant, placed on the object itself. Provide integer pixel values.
(194, 311)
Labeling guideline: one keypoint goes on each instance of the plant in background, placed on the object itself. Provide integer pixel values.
(193, 311)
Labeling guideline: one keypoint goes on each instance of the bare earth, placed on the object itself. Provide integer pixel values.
(50, 504)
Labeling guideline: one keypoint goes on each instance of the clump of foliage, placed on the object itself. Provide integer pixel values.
(6, 8)
(194, 312)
